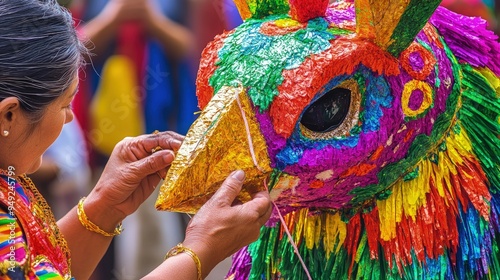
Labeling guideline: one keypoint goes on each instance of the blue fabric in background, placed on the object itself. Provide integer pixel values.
(233, 17)
(170, 100)
(171, 104)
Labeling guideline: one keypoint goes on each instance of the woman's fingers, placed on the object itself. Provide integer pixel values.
(166, 140)
(229, 189)
(261, 203)
(145, 145)
(162, 173)
(225, 223)
(151, 143)
(226, 196)
(151, 164)
(256, 210)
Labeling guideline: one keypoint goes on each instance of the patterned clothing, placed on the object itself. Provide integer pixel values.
(30, 247)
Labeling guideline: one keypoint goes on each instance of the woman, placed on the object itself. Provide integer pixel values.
(39, 60)
(145, 40)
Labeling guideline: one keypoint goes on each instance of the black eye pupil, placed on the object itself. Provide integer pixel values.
(328, 112)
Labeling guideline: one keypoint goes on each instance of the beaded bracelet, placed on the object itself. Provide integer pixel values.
(181, 249)
(84, 220)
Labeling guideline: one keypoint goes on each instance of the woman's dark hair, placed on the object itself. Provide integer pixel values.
(40, 53)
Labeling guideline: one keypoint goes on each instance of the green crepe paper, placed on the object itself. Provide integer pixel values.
(413, 20)
(495, 255)
(479, 116)
(263, 8)
(412, 175)
(337, 265)
(257, 61)
(337, 31)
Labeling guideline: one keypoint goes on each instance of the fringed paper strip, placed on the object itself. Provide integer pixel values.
(434, 226)
(480, 115)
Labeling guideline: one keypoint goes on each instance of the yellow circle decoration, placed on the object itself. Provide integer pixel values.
(409, 90)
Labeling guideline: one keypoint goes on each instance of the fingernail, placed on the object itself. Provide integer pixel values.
(238, 175)
(168, 157)
(176, 143)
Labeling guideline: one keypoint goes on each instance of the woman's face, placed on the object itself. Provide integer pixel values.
(33, 141)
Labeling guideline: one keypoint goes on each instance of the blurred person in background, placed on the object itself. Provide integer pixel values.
(209, 18)
(140, 81)
(153, 36)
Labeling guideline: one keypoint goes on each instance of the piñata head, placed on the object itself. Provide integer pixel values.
(373, 124)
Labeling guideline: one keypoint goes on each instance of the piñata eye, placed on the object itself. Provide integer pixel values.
(328, 112)
(334, 114)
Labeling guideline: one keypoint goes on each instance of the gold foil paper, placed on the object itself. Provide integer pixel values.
(216, 145)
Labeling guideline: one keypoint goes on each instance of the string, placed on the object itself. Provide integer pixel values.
(252, 152)
(289, 235)
(249, 136)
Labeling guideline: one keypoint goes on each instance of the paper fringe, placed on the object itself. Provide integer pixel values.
(440, 223)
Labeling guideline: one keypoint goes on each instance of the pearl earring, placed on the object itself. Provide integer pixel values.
(5, 133)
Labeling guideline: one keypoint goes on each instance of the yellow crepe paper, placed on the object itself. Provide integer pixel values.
(373, 21)
(408, 90)
(243, 8)
(287, 22)
(216, 145)
(492, 79)
(408, 196)
(311, 228)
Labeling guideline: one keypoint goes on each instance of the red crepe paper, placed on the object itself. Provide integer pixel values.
(207, 68)
(301, 84)
(304, 10)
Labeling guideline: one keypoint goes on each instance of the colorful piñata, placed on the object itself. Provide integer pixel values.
(375, 127)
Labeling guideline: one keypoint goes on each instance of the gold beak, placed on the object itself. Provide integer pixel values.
(225, 137)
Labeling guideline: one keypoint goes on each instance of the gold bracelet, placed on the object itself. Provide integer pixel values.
(84, 220)
(181, 249)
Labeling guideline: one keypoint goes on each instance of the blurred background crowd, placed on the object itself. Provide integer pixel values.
(141, 78)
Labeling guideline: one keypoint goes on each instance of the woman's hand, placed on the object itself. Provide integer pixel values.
(143, 11)
(131, 175)
(124, 10)
(221, 227)
(224, 225)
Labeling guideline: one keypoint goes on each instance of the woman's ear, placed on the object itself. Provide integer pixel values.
(9, 114)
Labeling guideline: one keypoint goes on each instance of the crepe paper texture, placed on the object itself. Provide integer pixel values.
(375, 125)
